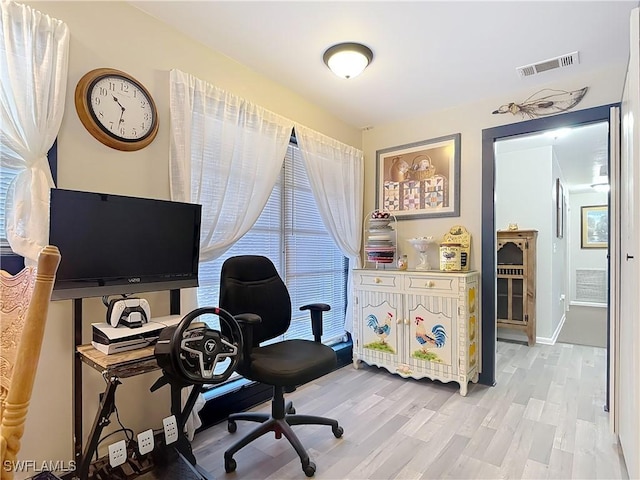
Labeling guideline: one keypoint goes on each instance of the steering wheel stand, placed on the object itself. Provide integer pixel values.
(188, 358)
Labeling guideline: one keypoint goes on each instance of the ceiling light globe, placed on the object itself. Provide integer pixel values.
(348, 60)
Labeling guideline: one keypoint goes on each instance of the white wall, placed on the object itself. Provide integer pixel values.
(586, 258)
(525, 194)
(116, 35)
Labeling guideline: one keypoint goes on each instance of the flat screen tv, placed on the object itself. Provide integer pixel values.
(114, 244)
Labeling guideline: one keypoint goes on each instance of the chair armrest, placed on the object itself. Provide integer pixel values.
(316, 309)
(248, 318)
(246, 322)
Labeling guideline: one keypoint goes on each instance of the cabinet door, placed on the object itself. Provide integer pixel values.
(432, 338)
(379, 331)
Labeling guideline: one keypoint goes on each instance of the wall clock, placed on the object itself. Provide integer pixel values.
(116, 109)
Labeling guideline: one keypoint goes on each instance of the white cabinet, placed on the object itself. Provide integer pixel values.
(418, 324)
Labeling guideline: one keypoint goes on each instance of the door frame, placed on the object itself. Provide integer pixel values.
(488, 267)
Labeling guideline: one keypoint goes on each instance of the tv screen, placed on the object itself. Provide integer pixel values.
(113, 244)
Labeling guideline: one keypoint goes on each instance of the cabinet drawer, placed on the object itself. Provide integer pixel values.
(431, 283)
(376, 280)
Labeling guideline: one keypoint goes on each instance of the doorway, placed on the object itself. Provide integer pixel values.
(556, 183)
(489, 137)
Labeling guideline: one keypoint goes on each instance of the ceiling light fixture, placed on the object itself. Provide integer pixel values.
(348, 60)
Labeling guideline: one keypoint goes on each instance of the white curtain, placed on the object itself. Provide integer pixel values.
(226, 154)
(336, 176)
(34, 53)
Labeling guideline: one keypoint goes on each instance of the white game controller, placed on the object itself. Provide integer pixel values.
(131, 312)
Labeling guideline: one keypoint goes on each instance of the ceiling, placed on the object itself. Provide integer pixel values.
(428, 55)
(582, 152)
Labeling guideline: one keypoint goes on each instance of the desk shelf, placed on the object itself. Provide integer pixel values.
(123, 364)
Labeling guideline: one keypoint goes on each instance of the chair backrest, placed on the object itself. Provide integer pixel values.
(24, 303)
(251, 284)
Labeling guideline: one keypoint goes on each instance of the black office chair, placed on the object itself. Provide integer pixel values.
(253, 292)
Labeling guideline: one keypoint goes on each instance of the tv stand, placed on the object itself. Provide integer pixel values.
(114, 368)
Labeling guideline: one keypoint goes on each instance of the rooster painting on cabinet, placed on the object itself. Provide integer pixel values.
(429, 334)
(380, 330)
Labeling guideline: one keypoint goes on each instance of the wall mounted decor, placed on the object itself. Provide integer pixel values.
(594, 226)
(545, 102)
(116, 109)
(421, 179)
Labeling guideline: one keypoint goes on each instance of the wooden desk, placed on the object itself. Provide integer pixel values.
(128, 364)
(112, 367)
(121, 365)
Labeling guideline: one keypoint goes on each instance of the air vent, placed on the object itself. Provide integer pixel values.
(567, 60)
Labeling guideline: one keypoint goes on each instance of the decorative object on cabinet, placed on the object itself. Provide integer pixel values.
(116, 109)
(544, 102)
(421, 179)
(418, 324)
(381, 238)
(459, 235)
(559, 209)
(450, 257)
(421, 244)
(594, 226)
(516, 281)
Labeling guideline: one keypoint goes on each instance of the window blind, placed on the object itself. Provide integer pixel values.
(290, 232)
(6, 176)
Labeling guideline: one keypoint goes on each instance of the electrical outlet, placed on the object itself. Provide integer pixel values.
(145, 441)
(117, 453)
(170, 429)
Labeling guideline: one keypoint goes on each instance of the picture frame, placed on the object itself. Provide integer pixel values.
(421, 179)
(594, 226)
(560, 203)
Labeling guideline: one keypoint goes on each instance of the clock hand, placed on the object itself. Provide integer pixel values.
(121, 107)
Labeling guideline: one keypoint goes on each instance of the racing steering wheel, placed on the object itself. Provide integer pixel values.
(191, 351)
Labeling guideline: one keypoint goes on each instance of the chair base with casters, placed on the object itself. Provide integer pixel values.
(280, 420)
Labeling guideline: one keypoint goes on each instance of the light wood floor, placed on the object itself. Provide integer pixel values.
(543, 419)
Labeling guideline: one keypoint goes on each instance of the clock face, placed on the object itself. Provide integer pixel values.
(116, 109)
(121, 108)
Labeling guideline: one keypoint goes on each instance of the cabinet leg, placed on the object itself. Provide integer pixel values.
(356, 363)
(463, 389)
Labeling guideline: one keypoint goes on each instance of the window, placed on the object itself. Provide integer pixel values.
(291, 233)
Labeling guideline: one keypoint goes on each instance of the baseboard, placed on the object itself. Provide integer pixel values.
(521, 337)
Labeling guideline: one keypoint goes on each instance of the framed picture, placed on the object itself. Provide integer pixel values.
(559, 209)
(594, 226)
(420, 180)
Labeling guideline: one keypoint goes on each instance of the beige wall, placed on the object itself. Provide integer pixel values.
(116, 35)
(604, 87)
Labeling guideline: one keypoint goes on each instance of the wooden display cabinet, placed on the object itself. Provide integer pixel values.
(516, 281)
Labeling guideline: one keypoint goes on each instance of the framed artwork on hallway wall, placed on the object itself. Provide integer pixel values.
(421, 179)
(594, 226)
